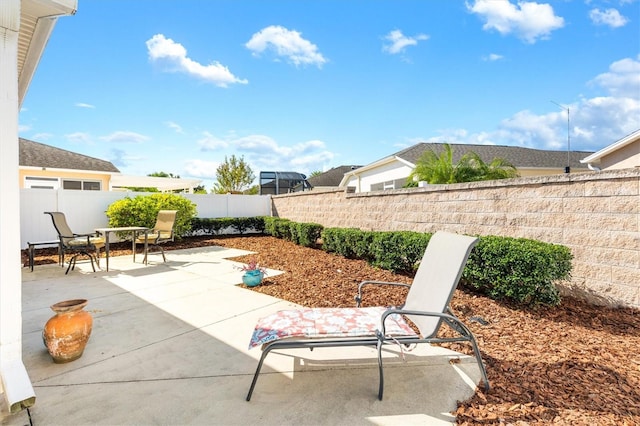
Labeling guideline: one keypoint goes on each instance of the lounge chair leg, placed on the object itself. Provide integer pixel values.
(255, 376)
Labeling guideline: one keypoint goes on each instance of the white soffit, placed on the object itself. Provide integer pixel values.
(37, 19)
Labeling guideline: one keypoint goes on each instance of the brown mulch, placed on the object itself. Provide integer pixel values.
(575, 364)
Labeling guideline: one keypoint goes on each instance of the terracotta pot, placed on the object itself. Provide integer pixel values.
(66, 334)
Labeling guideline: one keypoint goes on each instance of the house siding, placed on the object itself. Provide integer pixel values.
(625, 157)
(596, 215)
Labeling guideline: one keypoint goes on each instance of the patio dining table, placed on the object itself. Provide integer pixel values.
(134, 230)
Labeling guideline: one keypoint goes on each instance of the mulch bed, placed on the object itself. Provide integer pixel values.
(575, 364)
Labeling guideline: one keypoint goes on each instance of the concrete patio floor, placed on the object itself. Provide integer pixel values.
(170, 346)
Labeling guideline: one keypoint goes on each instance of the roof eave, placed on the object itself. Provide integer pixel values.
(595, 157)
(38, 18)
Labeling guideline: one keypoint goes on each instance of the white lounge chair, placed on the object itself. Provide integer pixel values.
(426, 305)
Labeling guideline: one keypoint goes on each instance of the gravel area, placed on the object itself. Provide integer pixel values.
(575, 364)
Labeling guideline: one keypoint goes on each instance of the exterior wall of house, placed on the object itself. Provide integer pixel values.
(63, 174)
(623, 158)
(389, 172)
(596, 215)
(396, 171)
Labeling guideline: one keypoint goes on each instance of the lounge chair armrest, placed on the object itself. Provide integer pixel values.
(358, 296)
(450, 319)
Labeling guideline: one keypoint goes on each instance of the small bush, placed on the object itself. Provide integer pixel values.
(277, 227)
(142, 210)
(351, 243)
(305, 234)
(518, 269)
(214, 226)
(398, 251)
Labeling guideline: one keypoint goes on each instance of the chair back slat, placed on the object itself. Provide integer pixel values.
(437, 278)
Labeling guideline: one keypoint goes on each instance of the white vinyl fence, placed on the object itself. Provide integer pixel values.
(85, 210)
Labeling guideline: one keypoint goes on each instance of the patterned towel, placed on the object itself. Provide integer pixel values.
(327, 322)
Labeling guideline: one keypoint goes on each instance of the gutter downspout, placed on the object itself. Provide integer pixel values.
(593, 168)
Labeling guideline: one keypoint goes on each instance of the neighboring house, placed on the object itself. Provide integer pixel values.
(331, 178)
(623, 154)
(45, 166)
(392, 172)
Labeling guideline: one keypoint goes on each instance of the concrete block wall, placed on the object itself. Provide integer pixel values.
(596, 215)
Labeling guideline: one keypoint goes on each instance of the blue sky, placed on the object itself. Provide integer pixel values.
(306, 85)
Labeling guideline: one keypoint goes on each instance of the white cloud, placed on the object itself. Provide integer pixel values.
(623, 78)
(264, 153)
(593, 123)
(211, 143)
(492, 57)
(174, 126)
(42, 137)
(397, 42)
(529, 21)
(174, 56)
(79, 137)
(286, 43)
(609, 17)
(84, 105)
(201, 169)
(125, 137)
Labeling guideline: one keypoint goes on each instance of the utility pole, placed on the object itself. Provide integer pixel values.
(567, 169)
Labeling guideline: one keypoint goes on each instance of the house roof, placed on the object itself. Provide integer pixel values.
(519, 156)
(35, 154)
(630, 138)
(331, 177)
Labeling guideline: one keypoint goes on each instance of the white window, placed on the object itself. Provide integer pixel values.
(41, 182)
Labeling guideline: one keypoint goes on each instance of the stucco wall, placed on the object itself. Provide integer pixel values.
(597, 215)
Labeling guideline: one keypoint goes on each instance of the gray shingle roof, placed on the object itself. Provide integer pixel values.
(520, 157)
(35, 154)
(331, 177)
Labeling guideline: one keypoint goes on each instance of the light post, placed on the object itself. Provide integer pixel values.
(566, 108)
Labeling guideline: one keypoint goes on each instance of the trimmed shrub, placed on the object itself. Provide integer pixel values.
(142, 210)
(214, 226)
(398, 251)
(351, 243)
(518, 269)
(277, 227)
(305, 234)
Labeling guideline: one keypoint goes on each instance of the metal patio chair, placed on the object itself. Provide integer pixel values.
(76, 244)
(162, 232)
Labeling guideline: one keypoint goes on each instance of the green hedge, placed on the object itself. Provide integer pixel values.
(142, 210)
(214, 226)
(518, 269)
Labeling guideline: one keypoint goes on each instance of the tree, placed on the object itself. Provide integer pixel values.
(439, 169)
(315, 173)
(164, 174)
(233, 176)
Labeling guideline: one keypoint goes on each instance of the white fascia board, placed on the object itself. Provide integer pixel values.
(371, 166)
(595, 157)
